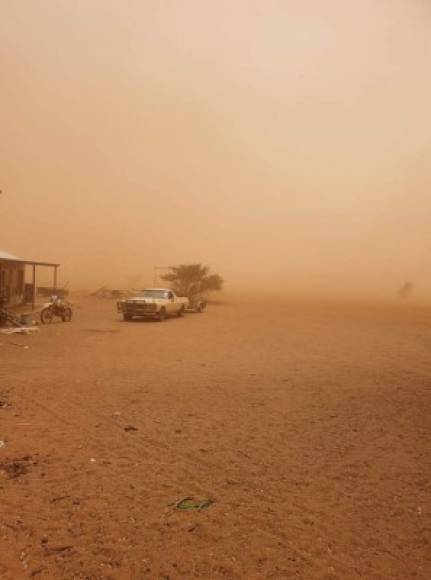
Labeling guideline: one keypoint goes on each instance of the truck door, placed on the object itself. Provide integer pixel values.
(171, 306)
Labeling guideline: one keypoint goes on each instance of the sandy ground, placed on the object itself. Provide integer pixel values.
(308, 426)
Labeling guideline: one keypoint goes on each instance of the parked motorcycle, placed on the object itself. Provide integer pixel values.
(56, 307)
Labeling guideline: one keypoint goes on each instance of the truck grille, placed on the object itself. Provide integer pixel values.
(140, 307)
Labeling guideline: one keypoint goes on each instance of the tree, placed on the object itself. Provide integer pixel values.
(192, 280)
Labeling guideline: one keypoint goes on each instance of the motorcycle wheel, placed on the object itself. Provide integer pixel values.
(47, 315)
(67, 315)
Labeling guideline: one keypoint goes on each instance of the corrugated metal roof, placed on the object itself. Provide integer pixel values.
(7, 256)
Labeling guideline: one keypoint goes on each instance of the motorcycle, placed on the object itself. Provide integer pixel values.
(56, 307)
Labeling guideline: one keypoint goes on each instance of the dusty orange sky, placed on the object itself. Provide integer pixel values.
(282, 142)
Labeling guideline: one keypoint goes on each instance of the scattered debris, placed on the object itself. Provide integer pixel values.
(20, 330)
(92, 460)
(59, 498)
(231, 481)
(57, 549)
(192, 503)
(24, 346)
(8, 317)
(2, 444)
(16, 468)
(130, 428)
(28, 320)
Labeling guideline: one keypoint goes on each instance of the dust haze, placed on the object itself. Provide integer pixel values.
(282, 143)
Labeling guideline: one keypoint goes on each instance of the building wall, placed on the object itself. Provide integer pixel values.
(12, 276)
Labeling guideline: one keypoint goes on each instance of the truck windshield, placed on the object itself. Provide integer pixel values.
(154, 294)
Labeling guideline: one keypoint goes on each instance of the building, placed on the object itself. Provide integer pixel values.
(18, 278)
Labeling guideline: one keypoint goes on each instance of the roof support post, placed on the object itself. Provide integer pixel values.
(33, 300)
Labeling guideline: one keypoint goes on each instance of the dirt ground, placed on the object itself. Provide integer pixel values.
(308, 425)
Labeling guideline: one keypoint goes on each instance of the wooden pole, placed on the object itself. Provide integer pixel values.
(33, 302)
(55, 277)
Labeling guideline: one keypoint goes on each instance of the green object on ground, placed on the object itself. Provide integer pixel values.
(191, 503)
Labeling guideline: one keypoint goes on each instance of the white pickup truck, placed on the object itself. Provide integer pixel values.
(158, 303)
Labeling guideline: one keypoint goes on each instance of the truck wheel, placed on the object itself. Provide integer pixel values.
(180, 312)
(127, 317)
(162, 315)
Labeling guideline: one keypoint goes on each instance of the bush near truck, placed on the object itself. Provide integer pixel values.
(188, 284)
